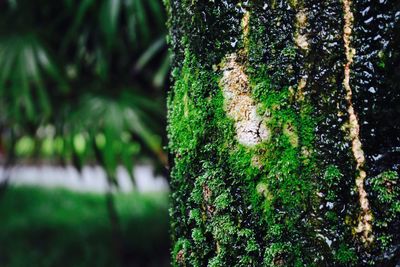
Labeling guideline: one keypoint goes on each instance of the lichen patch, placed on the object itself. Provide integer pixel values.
(239, 105)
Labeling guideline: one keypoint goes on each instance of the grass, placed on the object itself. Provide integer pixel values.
(42, 227)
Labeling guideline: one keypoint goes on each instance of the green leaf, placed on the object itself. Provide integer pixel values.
(162, 73)
(150, 53)
(109, 16)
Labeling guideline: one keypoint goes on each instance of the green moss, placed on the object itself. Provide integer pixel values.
(225, 182)
(331, 178)
(289, 52)
(386, 187)
(346, 255)
(279, 203)
(291, 133)
(180, 252)
(222, 201)
(282, 254)
(195, 215)
(386, 204)
(198, 236)
(209, 167)
(216, 262)
(223, 230)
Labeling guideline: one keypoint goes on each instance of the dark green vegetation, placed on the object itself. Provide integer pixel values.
(84, 79)
(42, 228)
(291, 199)
(82, 82)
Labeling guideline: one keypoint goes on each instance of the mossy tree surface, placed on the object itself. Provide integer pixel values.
(284, 133)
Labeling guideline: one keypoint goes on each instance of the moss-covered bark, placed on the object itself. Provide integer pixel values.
(275, 133)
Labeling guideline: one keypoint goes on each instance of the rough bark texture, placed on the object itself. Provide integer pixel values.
(284, 129)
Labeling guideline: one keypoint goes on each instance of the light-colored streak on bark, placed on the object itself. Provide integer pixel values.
(300, 38)
(364, 226)
(246, 31)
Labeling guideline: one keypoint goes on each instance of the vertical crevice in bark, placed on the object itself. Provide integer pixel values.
(364, 226)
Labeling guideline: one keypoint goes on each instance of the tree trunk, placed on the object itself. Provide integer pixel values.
(284, 132)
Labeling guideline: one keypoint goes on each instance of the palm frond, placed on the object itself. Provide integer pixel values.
(91, 46)
(150, 53)
(24, 64)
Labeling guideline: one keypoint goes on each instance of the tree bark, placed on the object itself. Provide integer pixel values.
(284, 132)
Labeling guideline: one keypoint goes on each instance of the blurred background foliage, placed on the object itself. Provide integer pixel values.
(83, 81)
(62, 228)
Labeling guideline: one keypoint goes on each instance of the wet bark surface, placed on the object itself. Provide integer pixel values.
(284, 132)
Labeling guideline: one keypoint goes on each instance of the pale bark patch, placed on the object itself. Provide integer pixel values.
(239, 105)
